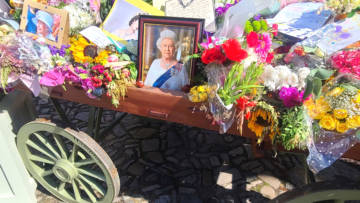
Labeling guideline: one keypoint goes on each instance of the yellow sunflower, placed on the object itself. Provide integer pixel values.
(78, 46)
(263, 120)
(102, 57)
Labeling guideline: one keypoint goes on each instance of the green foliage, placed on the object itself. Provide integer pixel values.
(314, 81)
(105, 7)
(243, 85)
(61, 5)
(294, 131)
(353, 12)
(264, 25)
(149, 2)
(133, 70)
(256, 25)
(17, 15)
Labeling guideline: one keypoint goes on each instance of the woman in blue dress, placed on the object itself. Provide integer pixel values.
(167, 72)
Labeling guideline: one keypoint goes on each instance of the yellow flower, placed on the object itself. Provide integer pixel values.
(203, 97)
(328, 122)
(353, 122)
(193, 90)
(323, 104)
(341, 127)
(77, 48)
(335, 92)
(320, 115)
(201, 89)
(102, 57)
(357, 99)
(340, 113)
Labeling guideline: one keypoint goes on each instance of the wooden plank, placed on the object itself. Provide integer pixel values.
(173, 106)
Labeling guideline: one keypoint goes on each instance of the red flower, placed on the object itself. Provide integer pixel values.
(252, 39)
(241, 103)
(270, 57)
(211, 55)
(248, 115)
(233, 50)
(275, 28)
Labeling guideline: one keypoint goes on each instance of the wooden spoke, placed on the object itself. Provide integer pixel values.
(84, 162)
(92, 173)
(74, 153)
(76, 191)
(61, 186)
(42, 159)
(41, 148)
(62, 147)
(88, 190)
(93, 183)
(50, 145)
(47, 172)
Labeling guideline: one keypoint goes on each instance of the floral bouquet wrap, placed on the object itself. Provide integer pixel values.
(336, 117)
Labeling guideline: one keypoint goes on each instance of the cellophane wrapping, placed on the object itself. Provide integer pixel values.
(223, 115)
(336, 119)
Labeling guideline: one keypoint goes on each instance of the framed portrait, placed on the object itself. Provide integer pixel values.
(122, 22)
(164, 46)
(45, 21)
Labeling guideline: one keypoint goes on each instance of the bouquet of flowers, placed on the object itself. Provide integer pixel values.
(347, 62)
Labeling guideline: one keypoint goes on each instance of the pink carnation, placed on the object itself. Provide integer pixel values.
(291, 97)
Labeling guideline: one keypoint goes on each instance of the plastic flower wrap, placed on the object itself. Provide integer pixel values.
(336, 117)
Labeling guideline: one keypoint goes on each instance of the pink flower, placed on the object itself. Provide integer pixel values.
(70, 76)
(263, 46)
(126, 72)
(113, 58)
(95, 5)
(356, 70)
(345, 70)
(353, 62)
(52, 78)
(351, 54)
(338, 64)
(291, 97)
(99, 68)
(206, 45)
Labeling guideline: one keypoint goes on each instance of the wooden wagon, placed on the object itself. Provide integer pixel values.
(69, 164)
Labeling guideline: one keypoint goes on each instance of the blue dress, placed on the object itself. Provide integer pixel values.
(30, 27)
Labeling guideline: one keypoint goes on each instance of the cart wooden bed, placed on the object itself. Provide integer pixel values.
(165, 105)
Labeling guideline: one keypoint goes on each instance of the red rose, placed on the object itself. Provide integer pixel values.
(233, 51)
(252, 39)
(211, 55)
(270, 57)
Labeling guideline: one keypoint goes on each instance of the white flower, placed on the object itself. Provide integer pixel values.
(219, 4)
(265, 76)
(252, 56)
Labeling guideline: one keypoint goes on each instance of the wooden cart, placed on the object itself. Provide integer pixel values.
(69, 164)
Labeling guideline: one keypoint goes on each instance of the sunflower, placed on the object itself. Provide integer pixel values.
(83, 50)
(263, 121)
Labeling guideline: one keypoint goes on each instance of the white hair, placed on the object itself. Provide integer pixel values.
(167, 34)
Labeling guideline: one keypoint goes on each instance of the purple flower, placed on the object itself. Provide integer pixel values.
(291, 97)
(257, 17)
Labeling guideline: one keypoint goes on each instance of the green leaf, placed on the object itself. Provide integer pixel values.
(323, 74)
(198, 78)
(83, 76)
(317, 86)
(126, 57)
(312, 72)
(308, 89)
(133, 70)
(351, 14)
(349, 87)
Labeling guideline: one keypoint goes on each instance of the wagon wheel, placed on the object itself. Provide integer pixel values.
(337, 191)
(68, 163)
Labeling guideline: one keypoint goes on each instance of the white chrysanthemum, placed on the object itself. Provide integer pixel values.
(268, 69)
(292, 80)
(303, 72)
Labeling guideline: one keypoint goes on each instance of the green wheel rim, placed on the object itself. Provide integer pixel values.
(68, 163)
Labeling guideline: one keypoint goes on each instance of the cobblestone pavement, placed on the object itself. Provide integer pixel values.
(170, 163)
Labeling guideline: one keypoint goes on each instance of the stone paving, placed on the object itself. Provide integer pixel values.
(169, 163)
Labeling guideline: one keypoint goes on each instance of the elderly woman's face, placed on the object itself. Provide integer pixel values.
(167, 48)
(42, 29)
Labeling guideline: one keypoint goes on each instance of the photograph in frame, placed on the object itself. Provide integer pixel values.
(164, 46)
(122, 22)
(45, 21)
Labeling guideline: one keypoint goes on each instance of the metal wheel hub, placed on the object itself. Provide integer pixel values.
(65, 170)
